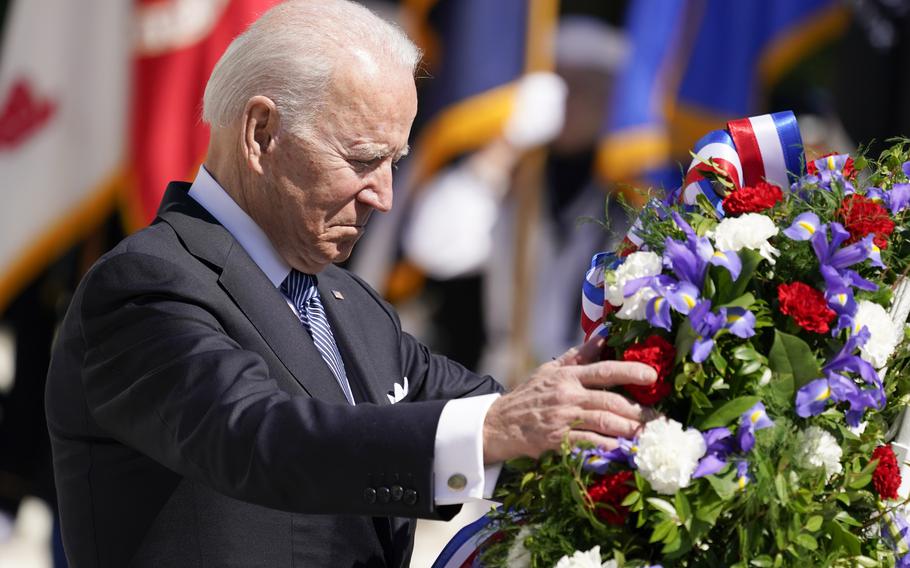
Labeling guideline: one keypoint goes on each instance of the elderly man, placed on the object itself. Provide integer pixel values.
(222, 395)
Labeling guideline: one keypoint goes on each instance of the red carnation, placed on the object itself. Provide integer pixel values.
(610, 490)
(806, 305)
(887, 475)
(626, 247)
(849, 171)
(863, 216)
(659, 354)
(752, 199)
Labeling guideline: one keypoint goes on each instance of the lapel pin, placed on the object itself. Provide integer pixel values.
(338, 295)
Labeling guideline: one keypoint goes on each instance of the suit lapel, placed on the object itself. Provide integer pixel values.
(262, 304)
(373, 371)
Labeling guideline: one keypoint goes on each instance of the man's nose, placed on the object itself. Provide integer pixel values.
(378, 194)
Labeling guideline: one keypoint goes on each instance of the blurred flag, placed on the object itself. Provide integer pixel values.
(178, 43)
(64, 74)
(696, 64)
(474, 50)
(99, 98)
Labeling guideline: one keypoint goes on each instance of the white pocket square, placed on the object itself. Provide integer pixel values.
(398, 392)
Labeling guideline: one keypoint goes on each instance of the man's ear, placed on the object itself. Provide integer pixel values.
(260, 130)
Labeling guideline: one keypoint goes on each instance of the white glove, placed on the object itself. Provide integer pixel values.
(449, 232)
(539, 111)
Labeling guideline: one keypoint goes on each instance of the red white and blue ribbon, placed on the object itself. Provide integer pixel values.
(592, 296)
(766, 147)
(464, 548)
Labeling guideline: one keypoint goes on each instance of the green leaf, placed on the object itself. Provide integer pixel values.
(661, 530)
(526, 478)
(631, 498)
(734, 290)
(744, 301)
(728, 412)
(664, 506)
(814, 523)
(842, 538)
(860, 481)
(682, 508)
(685, 338)
(725, 488)
(718, 360)
(807, 541)
(791, 356)
(710, 508)
(782, 391)
(780, 485)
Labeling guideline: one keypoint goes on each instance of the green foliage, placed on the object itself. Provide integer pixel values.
(785, 512)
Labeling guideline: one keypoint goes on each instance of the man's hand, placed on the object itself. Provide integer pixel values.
(565, 396)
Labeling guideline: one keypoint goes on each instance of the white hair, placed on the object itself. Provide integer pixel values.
(290, 54)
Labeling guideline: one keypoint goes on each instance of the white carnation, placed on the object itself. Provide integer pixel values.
(817, 449)
(884, 335)
(589, 559)
(519, 556)
(750, 231)
(667, 454)
(637, 265)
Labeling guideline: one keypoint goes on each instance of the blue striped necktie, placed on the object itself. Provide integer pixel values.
(301, 290)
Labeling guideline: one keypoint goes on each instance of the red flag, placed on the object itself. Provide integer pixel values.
(178, 44)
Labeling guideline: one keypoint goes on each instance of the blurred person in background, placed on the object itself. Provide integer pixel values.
(464, 221)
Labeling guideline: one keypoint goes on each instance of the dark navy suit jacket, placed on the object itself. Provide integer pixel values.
(194, 423)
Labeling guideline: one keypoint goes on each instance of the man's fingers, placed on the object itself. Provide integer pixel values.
(606, 423)
(610, 373)
(615, 403)
(582, 354)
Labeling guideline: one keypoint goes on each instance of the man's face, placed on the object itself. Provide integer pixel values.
(321, 190)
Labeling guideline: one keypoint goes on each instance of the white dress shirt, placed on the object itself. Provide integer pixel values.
(458, 470)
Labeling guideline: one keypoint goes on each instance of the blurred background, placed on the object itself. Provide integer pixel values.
(535, 116)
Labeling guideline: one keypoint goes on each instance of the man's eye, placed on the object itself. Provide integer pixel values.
(364, 165)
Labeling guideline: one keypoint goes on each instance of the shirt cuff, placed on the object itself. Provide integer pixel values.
(459, 474)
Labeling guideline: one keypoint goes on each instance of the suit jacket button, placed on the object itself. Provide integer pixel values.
(410, 497)
(397, 492)
(369, 495)
(383, 494)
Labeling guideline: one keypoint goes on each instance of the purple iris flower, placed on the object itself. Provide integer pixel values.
(598, 460)
(752, 420)
(719, 444)
(742, 474)
(740, 322)
(689, 260)
(898, 197)
(706, 325)
(840, 299)
(728, 259)
(813, 398)
(845, 360)
(804, 227)
(686, 261)
(658, 313)
(683, 296)
(831, 254)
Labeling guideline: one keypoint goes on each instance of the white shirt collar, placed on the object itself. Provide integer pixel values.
(209, 193)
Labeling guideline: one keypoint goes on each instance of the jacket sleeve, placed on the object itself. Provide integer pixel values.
(162, 376)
